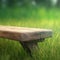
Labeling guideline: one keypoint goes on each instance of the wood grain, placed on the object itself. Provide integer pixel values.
(24, 33)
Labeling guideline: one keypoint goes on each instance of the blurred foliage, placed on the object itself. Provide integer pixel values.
(24, 3)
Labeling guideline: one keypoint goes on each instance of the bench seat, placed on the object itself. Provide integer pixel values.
(24, 33)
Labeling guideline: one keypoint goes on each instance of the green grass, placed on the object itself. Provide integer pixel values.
(27, 13)
(48, 50)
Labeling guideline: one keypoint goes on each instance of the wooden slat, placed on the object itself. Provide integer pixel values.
(24, 33)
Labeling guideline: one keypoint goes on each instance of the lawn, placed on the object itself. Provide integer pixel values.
(40, 18)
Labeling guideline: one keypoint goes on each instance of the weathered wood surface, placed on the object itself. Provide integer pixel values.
(24, 33)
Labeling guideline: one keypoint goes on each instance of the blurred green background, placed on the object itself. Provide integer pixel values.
(31, 13)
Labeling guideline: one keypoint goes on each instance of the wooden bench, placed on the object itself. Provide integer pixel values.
(28, 37)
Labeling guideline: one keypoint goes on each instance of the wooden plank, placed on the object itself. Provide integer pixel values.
(24, 33)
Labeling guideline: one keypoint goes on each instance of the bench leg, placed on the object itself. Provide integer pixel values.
(29, 47)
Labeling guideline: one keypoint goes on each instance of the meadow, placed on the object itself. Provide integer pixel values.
(45, 18)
